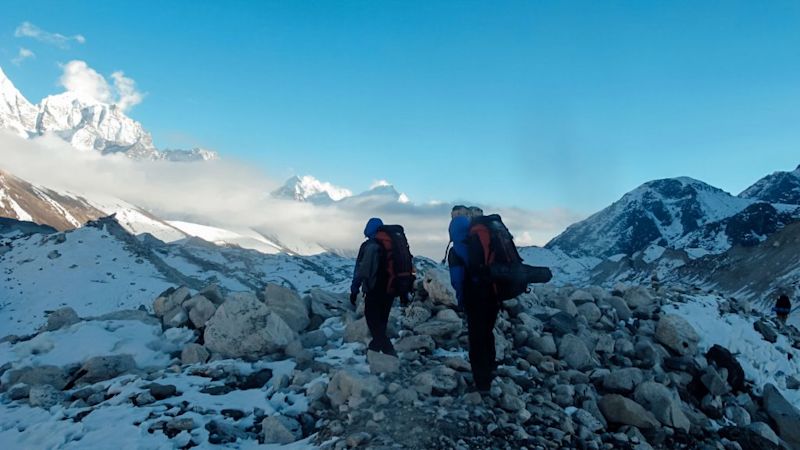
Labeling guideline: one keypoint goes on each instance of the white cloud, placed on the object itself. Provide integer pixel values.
(23, 54)
(81, 79)
(231, 195)
(29, 30)
(127, 95)
(379, 183)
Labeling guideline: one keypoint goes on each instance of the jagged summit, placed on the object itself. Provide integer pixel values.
(86, 123)
(778, 187)
(671, 213)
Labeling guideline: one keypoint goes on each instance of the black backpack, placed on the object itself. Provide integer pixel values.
(501, 263)
(397, 259)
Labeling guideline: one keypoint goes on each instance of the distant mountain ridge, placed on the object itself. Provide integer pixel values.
(85, 123)
(311, 190)
(676, 213)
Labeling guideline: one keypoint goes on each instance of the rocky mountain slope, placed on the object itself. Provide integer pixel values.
(676, 213)
(779, 187)
(85, 123)
(579, 368)
(102, 267)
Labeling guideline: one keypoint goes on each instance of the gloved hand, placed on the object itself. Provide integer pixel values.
(353, 297)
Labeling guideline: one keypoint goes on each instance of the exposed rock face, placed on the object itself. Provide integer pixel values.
(244, 328)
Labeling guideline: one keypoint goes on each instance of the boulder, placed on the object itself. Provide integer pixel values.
(200, 310)
(438, 328)
(357, 331)
(439, 381)
(381, 363)
(619, 305)
(638, 297)
(288, 305)
(544, 344)
(349, 387)
(213, 293)
(244, 328)
(663, 403)
(39, 375)
(422, 343)
(580, 297)
(194, 354)
(280, 430)
(766, 330)
(566, 305)
(590, 311)
(677, 334)
(764, 431)
(786, 416)
(61, 318)
(44, 396)
(573, 351)
(437, 284)
(169, 300)
(415, 315)
(623, 411)
(623, 381)
(315, 338)
(100, 368)
(326, 305)
(561, 323)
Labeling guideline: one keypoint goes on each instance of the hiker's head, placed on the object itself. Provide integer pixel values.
(459, 228)
(372, 227)
(458, 211)
(474, 211)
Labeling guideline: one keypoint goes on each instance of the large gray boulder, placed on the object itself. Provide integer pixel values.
(194, 354)
(437, 284)
(786, 416)
(638, 297)
(200, 310)
(623, 380)
(38, 375)
(677, 334)
(244, 328)
(619, 305)
(574, 352)
(286, 303)
(349, 387)
(61, 318)
(326, 304)
(624, 411)
(100, 368)
(438, 328)
(280, 430)
(663, 403)
(357, 331)
(169, 300)
(382, 363)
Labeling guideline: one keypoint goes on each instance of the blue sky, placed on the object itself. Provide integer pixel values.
(529, 104)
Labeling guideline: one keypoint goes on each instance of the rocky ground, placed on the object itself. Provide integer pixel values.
(586, 368)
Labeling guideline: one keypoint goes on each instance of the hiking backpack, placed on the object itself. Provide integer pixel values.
(501, 261)
(397, 259)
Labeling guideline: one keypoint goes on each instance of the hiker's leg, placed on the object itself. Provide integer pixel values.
(372, 313)
(492, 310)
(386, 310)
(478, 349)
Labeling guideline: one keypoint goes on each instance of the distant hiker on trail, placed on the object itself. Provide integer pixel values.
(384, 270)
(782, 308)
(485, 269)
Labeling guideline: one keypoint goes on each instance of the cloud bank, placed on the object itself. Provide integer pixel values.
(233, 195)
(81, 79)
(29, 30)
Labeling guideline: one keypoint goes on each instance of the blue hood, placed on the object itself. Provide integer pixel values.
(459, 229)
(372, 227)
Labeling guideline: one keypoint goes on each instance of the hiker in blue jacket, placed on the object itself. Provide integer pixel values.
(371, 277)
(475, 296)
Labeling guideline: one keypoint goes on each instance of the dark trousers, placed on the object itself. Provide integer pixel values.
(377, 307)
(481, 316)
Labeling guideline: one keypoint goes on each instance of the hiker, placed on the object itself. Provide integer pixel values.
(383, 271)
(459, 210)
(782, 308)
(485, 269)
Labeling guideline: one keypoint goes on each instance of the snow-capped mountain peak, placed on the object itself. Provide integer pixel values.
(778, 187)
(16, 112)
(86, 123)
(308, 188)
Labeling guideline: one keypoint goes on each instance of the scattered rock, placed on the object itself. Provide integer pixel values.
(357, 331)
(61, 318)
(620, 410)
(288, 305)
(766, 330)
(44, 396)
(200, 310)
(786, 416)
(348, 387)
(573, 351)
(663, 403)
(101, 368)
(161, 391)
(677, 334)
(39, 375)
(420, 342)
(194, 354)
(381, 363)
(280, 430)
(244, 328)
(623, 380)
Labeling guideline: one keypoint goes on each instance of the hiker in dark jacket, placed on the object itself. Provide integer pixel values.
(782, 308)
(474, 291)
(370, 276)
